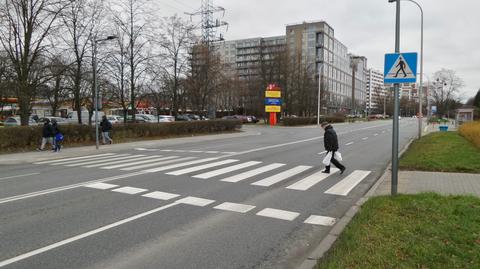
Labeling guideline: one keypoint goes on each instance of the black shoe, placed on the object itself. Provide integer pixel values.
(326, 171)
(342, 170)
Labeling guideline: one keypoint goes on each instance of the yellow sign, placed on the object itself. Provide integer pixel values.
(273, 94)
(273, 108)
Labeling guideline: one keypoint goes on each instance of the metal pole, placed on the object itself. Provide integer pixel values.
(96, 91)
(319, 92)
(395, 109)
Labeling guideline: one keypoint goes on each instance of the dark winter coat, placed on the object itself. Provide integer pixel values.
(47, 130)
(55, 129)
(106, 126)
(330, 139)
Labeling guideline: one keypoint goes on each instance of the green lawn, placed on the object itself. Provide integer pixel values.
(442, 151)
(410, 231)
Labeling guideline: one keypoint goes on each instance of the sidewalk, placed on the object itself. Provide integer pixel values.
(411, 182)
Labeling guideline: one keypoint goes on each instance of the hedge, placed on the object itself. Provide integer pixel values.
(27, 137)
(471, 131)
(307, 121)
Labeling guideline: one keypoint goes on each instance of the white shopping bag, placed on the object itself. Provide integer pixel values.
(338, 156)
(327, 159)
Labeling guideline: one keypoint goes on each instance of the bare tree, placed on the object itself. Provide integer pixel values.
(175, 42)
(446, 87)
(55, 90)
(25, 24)
(6, 80)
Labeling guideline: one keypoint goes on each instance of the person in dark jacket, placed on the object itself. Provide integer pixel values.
(57, 136)
(106, 128)
(47, 135)
(330, 141)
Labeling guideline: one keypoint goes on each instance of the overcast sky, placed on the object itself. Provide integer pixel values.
(366, 27)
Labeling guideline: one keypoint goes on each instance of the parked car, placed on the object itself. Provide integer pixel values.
(60, 121)
(115, 119)
(165, 118)
(183, 118)
(15, 121)
(146, 118)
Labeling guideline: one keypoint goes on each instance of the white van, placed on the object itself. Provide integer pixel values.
(72, 116)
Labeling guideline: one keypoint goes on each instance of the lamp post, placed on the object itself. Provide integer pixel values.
(320, 80)
(95, 84)
(421, 70)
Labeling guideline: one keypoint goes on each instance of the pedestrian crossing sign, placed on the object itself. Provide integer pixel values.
(400, 68)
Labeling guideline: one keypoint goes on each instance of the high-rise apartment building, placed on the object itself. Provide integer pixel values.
(376, 91)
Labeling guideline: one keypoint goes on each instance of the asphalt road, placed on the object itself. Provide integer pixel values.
(251, 201)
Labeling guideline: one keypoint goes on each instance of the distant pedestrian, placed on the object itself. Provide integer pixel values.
(330, 142)
(106, 128)
(47, 135)
(57, 136)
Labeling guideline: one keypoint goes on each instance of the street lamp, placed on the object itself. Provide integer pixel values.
(421, 70)
(95, 87)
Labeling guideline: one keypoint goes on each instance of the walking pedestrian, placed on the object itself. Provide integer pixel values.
(47, 135)
(330, 142)
(106, 128)
(57, 136)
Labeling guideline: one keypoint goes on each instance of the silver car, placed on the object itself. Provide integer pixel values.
(15, 121)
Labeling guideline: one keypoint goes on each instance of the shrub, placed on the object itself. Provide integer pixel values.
(28, 137)
(471, 131)
(307, 121)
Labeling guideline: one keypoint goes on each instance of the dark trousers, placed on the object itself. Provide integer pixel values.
(335, 162)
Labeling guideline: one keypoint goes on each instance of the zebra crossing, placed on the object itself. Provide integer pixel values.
(225, 170)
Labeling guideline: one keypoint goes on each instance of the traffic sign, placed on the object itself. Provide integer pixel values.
(273, 94)
(400, 68)
(273, 109)
(273, 101)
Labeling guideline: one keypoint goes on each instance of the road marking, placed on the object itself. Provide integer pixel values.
(195, 151)
(89, 159)
(144, 149)
(323, 152)
(365, 138)
(121, 161)
(226, 170)
(200, 167)
(176, 159)
(190, 200)
(320, 220)
(101, 186)
(240, 208)
(348, 183)
(81, 236)
(375, 134)
(24, 175)
(139, 162)
(73, 186)
(161, 195)
(348, 144)
(281, 176)
(129, 190)
(76, 158)
(167, 150)
(278, 214)
(211, 151)
(106, 161)
(251, 173)
(162, 168)
(311, 180)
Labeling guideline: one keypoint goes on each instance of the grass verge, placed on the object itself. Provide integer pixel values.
(410, 231)
(444, 152)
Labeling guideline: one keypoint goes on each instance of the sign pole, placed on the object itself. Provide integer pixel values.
(396, 109)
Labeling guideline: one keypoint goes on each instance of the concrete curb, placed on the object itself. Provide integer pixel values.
(329, 240)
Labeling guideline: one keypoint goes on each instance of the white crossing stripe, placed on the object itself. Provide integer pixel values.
(348, 183)
(139, 162)
(211, 151)
(161, 195)
(76, 158)
(278, 214)
(226, 170)
(166, 150)
(172, 166)
(320, 220)
(190, 200)
(115, 158)
(323, 152)
(251, 173)
(200, 167)
(176, 159)
(121, 161)
(375, 134)
(130, 190)
(348, 144)
(281, 176)
(101, 186)
(365, 138)
(311, 180)
(89, 159)
(240, 208)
